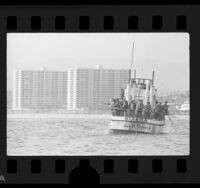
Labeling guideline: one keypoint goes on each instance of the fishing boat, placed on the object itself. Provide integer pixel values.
(138, 89)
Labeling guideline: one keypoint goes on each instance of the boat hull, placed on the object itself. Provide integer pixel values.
(124, 125)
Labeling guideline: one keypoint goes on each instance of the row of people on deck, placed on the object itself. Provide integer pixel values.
(138, 110)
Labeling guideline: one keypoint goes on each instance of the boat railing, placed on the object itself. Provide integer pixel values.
(127, 113)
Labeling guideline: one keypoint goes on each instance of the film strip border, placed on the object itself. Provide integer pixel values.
(84, 23)
(94, 19)
(131, 169)
(157, 166)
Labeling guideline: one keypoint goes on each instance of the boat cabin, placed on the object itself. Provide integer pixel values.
(141, 89)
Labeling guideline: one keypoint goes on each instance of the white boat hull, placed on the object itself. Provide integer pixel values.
(123, 124)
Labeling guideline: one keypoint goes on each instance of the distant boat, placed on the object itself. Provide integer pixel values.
(185, 107)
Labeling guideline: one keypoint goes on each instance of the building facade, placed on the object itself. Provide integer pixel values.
(71, 89)
(92, 88)
(39, 89)
(9, 99)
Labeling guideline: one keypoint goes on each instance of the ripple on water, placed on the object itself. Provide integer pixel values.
(91, 136)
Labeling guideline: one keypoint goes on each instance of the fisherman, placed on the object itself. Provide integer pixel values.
(147, 111)
(120, 107)
(139, 109)
(116, 107)
(163, 111)
(132, 107)
(155, 105)
(157, 111)
(161, 114)
(112, 104)
(165, 107)
(154, 109)
(122, 94)
(125, 107)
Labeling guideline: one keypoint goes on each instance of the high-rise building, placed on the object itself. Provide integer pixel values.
(75, 88)
(92, 88)
(39, 89)
(9, 99)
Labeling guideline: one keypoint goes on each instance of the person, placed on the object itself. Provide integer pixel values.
(116, 107)
(122, 94)
(125, 107)
(132, 107)
(165, 107)
(112, 104)
(161, 114)
(139, 109)
(164, 110)
(147, 111)
(154, 109)
(155, 105)
(120, 106)
(157, 111)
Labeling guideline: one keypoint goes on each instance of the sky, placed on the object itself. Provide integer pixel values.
(166, 53)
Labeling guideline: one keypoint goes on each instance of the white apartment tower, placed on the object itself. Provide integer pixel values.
(39, 89)
(91, 88)
(75, 88)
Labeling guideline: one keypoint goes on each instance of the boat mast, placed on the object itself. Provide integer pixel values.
(153, 73)
(129, 85)
(132, 72)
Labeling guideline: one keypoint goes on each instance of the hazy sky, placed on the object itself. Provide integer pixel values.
(166, 53)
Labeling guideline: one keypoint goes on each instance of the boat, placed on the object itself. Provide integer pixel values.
(138, 89)
(123, 125)
(185, 107)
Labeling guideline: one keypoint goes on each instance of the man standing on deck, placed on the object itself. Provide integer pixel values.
(154, 109)
(120, 107)
(125, 107)
(158, 110)
(122, 94)
(147, 111)
(139, 109)
(116, 107)
(164, 111)
(112, 104)
(165, 107)
(132, 107)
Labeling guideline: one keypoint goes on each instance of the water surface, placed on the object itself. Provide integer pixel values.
(71, 134)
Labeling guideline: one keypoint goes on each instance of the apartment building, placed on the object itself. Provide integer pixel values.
(75, 88)
(91, 88)
(39, 89)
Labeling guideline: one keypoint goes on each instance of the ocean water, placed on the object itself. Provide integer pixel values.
(81, 134)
